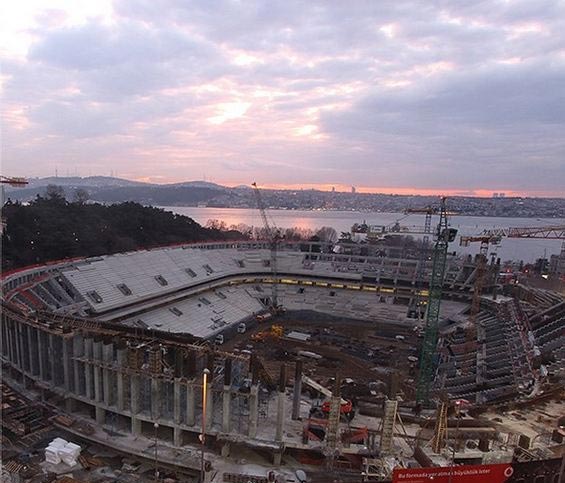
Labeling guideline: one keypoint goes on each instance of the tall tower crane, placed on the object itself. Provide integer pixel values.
(480, 270)
(428, 211)
(273, 237)
(494, 237)
(443, 236)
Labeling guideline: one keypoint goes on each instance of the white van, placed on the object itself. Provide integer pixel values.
(241, 328)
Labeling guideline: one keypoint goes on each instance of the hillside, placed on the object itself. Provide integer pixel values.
(53, 228)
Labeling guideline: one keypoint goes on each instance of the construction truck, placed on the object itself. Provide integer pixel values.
(346, 409)
(275, 332)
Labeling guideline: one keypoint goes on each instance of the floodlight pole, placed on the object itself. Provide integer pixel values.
(205, 375)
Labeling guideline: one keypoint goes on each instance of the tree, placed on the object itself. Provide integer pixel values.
(216, 225)
(80, 196)
(327, 234)
(55, 192)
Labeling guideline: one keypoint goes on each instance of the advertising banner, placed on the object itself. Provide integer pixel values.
(543, 471)
(455, 474)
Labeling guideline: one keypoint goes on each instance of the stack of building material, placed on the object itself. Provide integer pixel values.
(52, 451)
(60, 450)
(69, 454)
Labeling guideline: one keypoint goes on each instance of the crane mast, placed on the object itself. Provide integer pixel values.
(443, 236)
(273, 237)
(419, 280)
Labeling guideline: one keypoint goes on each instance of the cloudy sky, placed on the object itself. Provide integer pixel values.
(397, 96)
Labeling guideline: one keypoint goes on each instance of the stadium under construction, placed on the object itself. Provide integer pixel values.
(184, 355)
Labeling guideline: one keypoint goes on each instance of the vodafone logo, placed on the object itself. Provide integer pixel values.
(508, 472)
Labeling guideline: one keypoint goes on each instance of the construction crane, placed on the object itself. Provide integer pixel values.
(494, 237)
(480, 270)
(428, 211)
(273, 237)
(345, 406)
(443, 236)
(552, 232)
(17, 182)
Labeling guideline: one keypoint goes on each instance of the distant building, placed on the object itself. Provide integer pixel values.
(333, 189)
(353, 190)
(557, 263)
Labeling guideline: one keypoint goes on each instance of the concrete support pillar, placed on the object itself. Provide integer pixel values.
(97, 372)
(15, 346)
(4, 341)
(253, 410)
(41, 353)
(176, 401)
(155, 398)
(226, 447)
(280, 404)
(24, 337)
(32, 349)
(11, 344)
(190, 404)
(67, 350)
(134, 405)
(88, 343)
(297, 390)
(177, 436)
(98, 389)
(9, 329)
(120, 386)
(226, 397)
(277, 458)
(280, 416)
(209, 407)
(226, 413)
(107, 374)
(23, 353)
(78, 350)
(52, 358)
(100, 415)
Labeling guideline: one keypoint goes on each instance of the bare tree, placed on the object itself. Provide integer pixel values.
(55, 192)
(327, 234)
(80, 196)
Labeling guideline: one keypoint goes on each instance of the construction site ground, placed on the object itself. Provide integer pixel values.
(365, 352)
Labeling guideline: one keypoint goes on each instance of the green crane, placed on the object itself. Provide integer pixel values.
(443, 236)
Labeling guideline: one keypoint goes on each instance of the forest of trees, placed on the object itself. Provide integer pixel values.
(52, 228)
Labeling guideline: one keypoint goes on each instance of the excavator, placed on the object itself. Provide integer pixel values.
(346, 409)
(275, 332)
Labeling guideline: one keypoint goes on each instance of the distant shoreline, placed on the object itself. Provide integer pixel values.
(350, 211)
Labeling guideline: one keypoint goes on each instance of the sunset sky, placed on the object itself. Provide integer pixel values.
(453, 97)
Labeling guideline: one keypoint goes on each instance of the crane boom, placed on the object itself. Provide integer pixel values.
(318, 387)
(13, 181)
(552, 232)
(273, 238)
(444, 235)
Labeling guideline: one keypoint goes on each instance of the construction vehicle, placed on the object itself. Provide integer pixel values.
(346, 406)
(275, 332)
